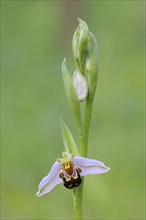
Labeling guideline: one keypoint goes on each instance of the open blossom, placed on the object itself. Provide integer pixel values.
(69, 171)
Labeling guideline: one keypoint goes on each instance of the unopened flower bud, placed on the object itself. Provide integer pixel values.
(91, 66)
(80, 85)
(80, 45)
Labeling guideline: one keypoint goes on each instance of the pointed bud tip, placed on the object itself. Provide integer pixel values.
(80, 20)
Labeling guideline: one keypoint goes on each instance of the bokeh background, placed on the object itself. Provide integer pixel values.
(35, 37)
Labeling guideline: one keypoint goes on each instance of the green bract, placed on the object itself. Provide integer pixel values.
(72, 96)
(91, 66)
(68, 140)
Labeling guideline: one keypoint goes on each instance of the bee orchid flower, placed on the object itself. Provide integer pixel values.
(69, 170)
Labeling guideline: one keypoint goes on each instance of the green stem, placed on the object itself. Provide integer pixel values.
(83, 153)
(87, 120)
(78, 202)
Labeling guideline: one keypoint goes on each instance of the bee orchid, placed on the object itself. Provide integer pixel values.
(69, 170)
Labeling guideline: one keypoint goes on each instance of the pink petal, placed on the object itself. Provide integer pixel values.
(50, 181)
(89, 166)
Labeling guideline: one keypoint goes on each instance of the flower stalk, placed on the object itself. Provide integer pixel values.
(86, 58)
(83, 152)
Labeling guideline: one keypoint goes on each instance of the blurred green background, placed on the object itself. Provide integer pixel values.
(35, 37)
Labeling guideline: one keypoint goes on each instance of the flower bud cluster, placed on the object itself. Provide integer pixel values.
(85, 53)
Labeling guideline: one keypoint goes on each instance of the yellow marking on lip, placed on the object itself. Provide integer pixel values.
(67, 164)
